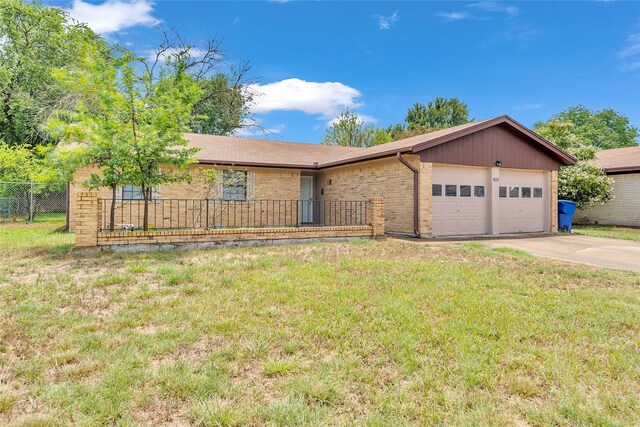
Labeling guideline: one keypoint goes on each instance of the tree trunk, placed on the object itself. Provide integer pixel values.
(145, 220)
(112, 216)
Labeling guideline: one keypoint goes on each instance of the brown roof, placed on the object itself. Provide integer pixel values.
(625, 159)
(252, 152)
(261, 152)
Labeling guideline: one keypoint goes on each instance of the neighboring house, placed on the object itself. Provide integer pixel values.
(623, 165)
(488, 177)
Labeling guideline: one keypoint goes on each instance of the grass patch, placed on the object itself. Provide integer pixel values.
(610, 231)
(351, 333)
(274, 368)
(482, 249)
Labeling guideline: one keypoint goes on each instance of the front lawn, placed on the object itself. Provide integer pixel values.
(366, 333)
(611, 231)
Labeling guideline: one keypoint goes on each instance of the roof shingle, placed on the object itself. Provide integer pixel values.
(619, 159)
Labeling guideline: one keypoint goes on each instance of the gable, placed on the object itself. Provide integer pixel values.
(486, 146)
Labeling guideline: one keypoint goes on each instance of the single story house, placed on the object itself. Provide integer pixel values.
(623, 165)
(491, 177)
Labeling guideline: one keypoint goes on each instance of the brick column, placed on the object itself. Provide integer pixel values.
(87, 216)
(554, 201)
(425, 215)
(377, 216)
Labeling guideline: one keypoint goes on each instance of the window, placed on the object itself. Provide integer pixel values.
(234, 185)
(465, 191)
(450, 190)
(502, 192)
(537, 193)
(514, 192)
(133, 192)
(478, 191)
(526, 192)
(436, 190)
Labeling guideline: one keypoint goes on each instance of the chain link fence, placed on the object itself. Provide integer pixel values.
(25, 201)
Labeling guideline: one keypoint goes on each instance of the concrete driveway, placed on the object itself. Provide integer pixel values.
(597, 251)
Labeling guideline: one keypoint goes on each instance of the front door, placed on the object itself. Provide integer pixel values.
(306, 199)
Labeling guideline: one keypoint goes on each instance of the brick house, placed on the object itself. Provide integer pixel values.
(623, 165)
(487, 177)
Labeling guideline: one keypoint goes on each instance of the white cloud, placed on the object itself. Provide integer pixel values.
(630, 54)
(453, 16)
(113, 15)
(490, 6)
(535, 106)
(483, 6)
(632, 48)
(236, 20)
(323, 98)
(386, 22)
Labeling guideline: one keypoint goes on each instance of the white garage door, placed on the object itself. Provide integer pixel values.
(460, 201)
(523, 198)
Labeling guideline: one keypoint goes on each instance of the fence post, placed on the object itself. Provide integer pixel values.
(87, 217)
(31, 201)
(377, 216)
(207, 213)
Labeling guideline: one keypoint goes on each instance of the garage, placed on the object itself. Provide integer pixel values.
(460, 202)
(523, 201)
(489, 178)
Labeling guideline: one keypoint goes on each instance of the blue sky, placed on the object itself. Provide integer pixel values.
(314, 59)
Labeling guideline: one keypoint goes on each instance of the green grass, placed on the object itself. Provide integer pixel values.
(364, 333)
(610, 231)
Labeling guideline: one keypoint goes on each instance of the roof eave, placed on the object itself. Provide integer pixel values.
(387, 153)
(256, 164)
(625, 169)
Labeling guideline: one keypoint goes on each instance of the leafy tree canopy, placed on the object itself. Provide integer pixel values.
(224, 105)
(349, 130)
(603, 129)
(582, 133)
(437, 114)
(133, 123)
(35, 41)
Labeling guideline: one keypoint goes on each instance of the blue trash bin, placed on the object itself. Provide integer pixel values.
(566, 210)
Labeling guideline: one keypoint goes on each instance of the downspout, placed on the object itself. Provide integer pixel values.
(416, 198)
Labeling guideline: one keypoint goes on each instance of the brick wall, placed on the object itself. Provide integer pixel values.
(425, 215)
(274, 184)
(385, 178)
(554, 201)
(624, 209)
(88, 234)
(87, 214)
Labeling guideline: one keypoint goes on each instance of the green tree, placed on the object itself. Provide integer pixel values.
(35, 41)
(133, 124)
(349, 130)
(95, 126)
(437, 114)
(224, 105)
(156, 119)
(16, 163)
(584, 183)
(603, 129)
